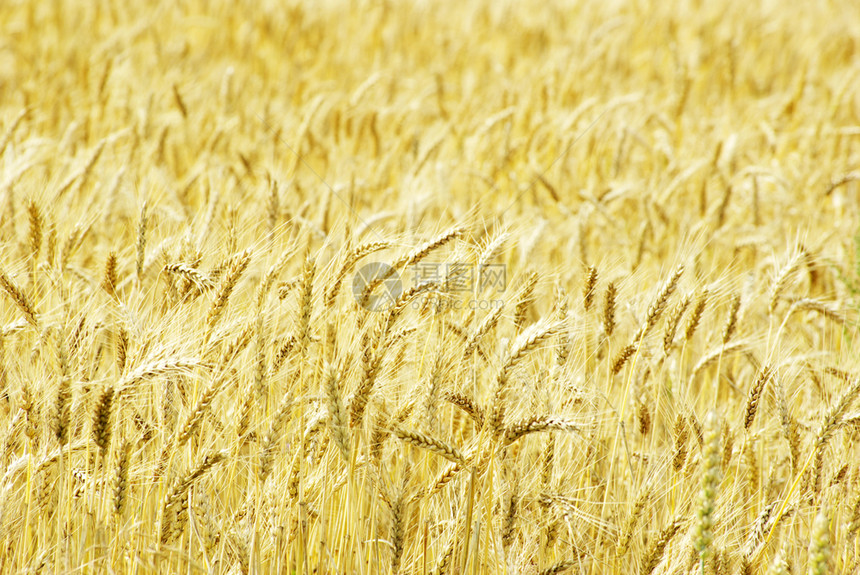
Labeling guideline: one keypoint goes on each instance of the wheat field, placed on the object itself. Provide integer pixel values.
(423, 287)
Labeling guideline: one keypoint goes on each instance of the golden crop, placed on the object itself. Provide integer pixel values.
(615, 330)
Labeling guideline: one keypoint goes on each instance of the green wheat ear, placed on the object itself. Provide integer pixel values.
(779, 566)
(819, 545)
(708, 494)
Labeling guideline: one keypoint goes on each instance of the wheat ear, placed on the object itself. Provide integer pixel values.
(432, 445)
(536, 425)
(710, 483)
(20, 298)
(819, 546)
(337, 416)
(656, 548)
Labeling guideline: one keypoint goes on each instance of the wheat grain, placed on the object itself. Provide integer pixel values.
(643, 417)
(510, 519)
(538, 424)
(560, 306)
(36, 223)
(710, 484)
(411, 258)
(271, 437)
(625, 354)
(468, 406)
(398, 520)
(154, 369)
(120, 489)
(755, 394)
(819, 545)
(337, 420)
(732, 321)
(632, 521)
(283, 351)
(143, 221)
(371, 361)
(609, 310)
(559, 567)
(197, 278)
(20, 299)
(588, 287)
(680, 435)
(181, 485)
(432, 445)
(62, 410)
(195, 416)
(487, 324)
(529, 340)
(808, 304)
(672, 322)
(349, 262)
(525, 300)
(778, 566)
(101, 420)
(110, 279)
(491, 249)
(269, 278)
(236, 268)
(655, 310)
(657, 547)
(696, 316)
(306, 303)
(714, 355)
(431, 403)
(834, 416)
